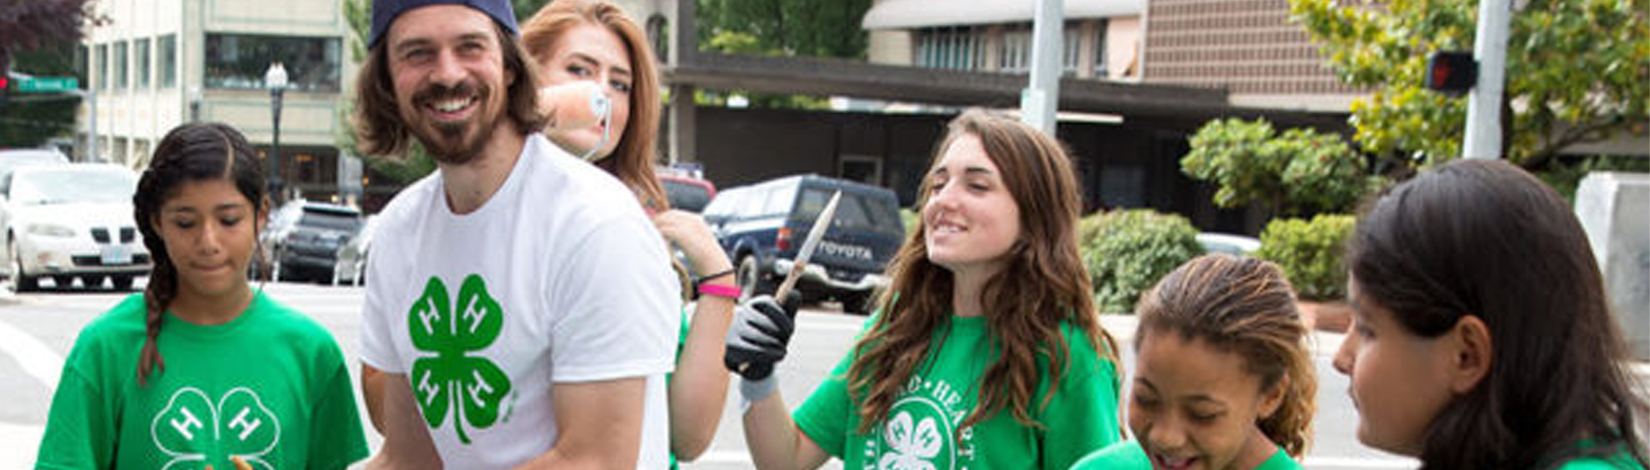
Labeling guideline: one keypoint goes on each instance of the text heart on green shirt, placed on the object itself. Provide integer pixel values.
(472, 387)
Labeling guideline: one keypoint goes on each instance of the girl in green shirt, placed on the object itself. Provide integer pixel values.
(1223, 379)
(200, 370)
(987, 352)
(1481, 338)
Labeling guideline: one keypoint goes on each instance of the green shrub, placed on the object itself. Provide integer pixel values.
(1309, 253)
(909, 218)
(1128, 251)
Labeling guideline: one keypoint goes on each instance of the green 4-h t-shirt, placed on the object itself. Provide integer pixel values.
(1128, 455)
(269, 386)
(921, 430)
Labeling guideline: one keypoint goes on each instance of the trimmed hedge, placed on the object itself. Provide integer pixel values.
(1309, 253)
(1128, 251)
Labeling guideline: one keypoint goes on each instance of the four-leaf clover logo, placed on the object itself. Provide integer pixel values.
(913, 447)
(194, 430)
(472, 387)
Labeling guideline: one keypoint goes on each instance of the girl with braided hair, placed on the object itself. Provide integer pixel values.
(200, 370)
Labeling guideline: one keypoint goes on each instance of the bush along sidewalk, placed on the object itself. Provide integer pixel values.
(1128, 251)
(1309, 252)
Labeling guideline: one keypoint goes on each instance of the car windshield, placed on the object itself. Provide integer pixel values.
(74, 185)
(855, 211)
(330, 220)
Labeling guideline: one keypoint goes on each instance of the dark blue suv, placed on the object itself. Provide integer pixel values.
(762, 226)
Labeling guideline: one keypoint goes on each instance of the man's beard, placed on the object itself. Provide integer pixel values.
(454, 143)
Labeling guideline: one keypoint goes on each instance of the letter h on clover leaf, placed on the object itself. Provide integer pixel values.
(446, 377)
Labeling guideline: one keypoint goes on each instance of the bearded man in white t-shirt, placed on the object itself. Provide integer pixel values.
(521, 312)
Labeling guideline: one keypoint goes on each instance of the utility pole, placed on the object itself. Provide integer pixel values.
(1483, 133)
(1040, 101)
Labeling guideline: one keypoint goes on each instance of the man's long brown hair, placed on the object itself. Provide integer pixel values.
(632, 161)
(1043, 285)
(378, 123)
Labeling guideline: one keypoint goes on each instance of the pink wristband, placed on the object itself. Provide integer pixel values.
(719, 290)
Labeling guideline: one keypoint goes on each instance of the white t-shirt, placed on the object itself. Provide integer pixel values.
(559, 277)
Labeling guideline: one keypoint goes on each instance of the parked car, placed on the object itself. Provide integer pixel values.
(1228, 243)
(687, 193)
(762, 227)
(69, 221)
(14, 158)
(351, 267)
(302, 239)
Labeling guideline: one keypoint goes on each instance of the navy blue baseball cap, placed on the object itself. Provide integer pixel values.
(384, 12)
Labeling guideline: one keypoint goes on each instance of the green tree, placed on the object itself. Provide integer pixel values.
(39, 38)
(1297, 172)
(787, 27)
(406, 168)
(780, 28)
(1577, 71)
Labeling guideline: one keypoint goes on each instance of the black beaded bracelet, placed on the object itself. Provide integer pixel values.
(711, 276)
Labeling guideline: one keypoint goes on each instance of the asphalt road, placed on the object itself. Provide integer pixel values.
(37, 330)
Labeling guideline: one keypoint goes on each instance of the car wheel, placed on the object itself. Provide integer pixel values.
(93, 281)
(21, 281)
(750, 279)
(122, 282)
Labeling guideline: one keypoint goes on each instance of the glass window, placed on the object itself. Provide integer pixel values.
(1072, 48)
(120, 66)
(1015, 55)
(142, 70)
(950, 48)
(1100, 70)
(167, 62)
(240, 60)
(102, 66)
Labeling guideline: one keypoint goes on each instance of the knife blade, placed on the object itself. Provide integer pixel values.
(815, 234)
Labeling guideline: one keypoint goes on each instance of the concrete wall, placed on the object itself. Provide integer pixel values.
(1123, 48)
(1614, 209)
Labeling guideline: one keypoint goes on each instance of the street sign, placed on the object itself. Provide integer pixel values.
(47, 84)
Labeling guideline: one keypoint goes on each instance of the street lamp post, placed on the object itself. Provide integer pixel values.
(275, 79)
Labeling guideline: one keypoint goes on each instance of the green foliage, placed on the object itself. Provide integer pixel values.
(1309, 253)
(31, 119)
(1128, 251)
(406, 168)
(1296, 172)
(785, 27)
(777, 28)
(909, 218)
(1577, 71)
(1565, 176)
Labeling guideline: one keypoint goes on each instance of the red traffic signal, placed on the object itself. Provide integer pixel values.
(1451, 72)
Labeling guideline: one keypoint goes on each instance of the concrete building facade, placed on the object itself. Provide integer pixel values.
(159, 63)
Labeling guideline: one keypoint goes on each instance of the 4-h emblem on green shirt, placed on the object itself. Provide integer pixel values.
(448, 377)
(194, 430)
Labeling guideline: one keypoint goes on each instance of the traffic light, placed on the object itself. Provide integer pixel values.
(1451, 72)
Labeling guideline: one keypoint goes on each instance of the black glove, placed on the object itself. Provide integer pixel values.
(757, 338)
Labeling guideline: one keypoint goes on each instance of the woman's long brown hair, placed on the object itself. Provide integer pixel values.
(1043, 285)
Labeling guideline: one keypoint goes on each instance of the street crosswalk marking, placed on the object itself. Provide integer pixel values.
(36, 359)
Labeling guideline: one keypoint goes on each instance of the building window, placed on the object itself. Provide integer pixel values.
(1100, 68)
(142, 70)
(1019, 41)
(959, 48)
(121, 81)
(1015, 55)
(240, 60)
(102, 66)
(167, 60)
(1071, 49)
